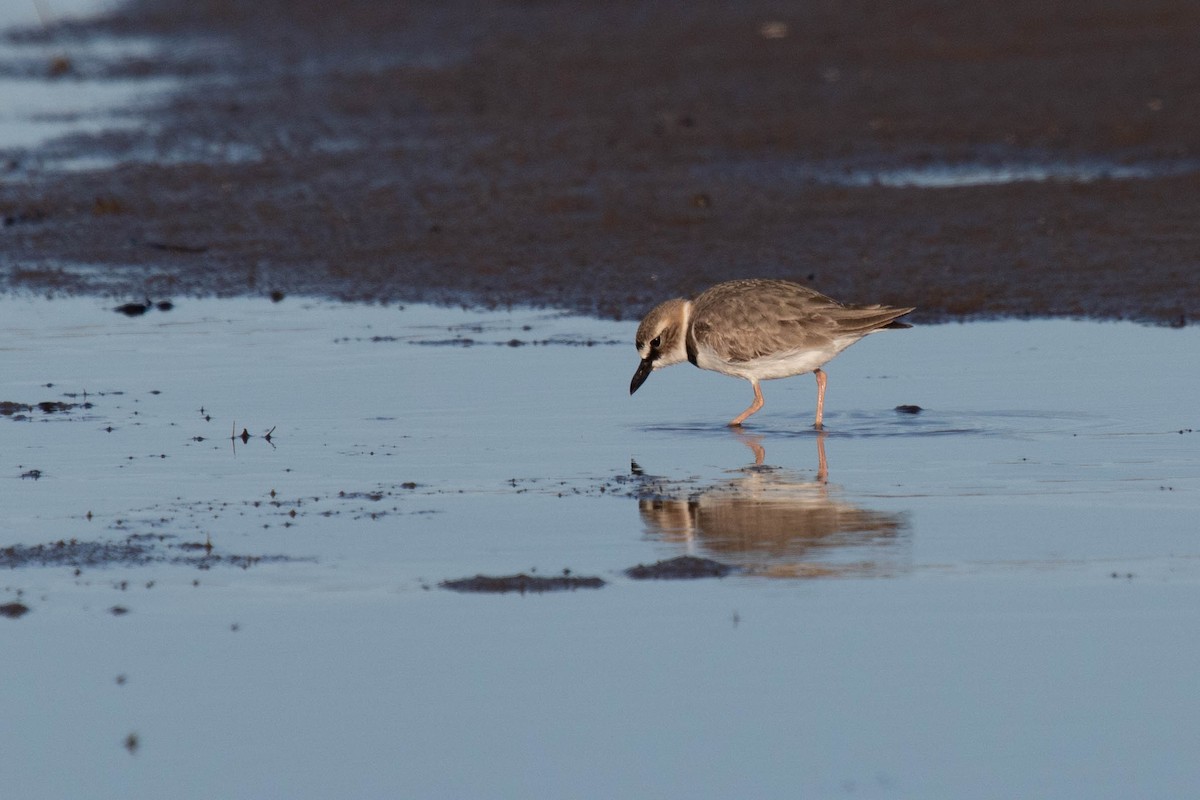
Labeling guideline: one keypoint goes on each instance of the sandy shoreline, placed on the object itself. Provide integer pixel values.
(601, 158)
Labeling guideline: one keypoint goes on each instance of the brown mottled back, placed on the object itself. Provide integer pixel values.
(748, 319)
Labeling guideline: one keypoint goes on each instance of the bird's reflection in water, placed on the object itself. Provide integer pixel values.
(772, 521)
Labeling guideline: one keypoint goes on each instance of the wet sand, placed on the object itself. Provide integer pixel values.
(598, 158)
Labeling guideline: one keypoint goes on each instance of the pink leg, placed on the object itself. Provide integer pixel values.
(755, 406)
(820, 376)
(822, 464)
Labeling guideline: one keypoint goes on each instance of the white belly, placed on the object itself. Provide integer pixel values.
(777, 365)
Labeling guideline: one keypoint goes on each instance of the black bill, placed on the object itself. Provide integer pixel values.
(643, 371)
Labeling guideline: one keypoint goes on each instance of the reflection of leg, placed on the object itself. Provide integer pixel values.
(755, 406)
(822, 466)
(753, 442)
(820, 376)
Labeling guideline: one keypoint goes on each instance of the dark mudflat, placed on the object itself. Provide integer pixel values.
(135, 550)
(600, 157)
(680, 568)
(521, 583)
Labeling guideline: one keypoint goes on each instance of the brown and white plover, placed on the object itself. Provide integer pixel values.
(757, 330)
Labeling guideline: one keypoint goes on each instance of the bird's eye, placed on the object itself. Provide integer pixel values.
(656, 342)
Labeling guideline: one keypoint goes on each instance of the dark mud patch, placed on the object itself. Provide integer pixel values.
(13, 610)
(680, 568)
(138, 309)
(21, 411)
(133, 551)
(374, 497)
(51, 409)
(521, 583)
(601, 157)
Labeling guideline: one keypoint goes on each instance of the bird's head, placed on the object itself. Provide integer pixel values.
(661, 339)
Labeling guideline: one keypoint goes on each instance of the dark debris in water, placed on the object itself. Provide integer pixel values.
(502, 584)
(374, 497)
(135, 550)
(136, 309)
(680, 568)
(909, 409)
(13, 610)
(18, 411)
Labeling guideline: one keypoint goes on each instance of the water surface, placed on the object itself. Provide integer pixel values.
(992, 592)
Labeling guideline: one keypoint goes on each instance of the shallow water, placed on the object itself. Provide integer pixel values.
(30, 13)
(986, 168)
(40, 109)
(62, 88)
(996, 591)
(957, 174)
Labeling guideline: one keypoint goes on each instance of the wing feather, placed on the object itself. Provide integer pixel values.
(744, 320)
